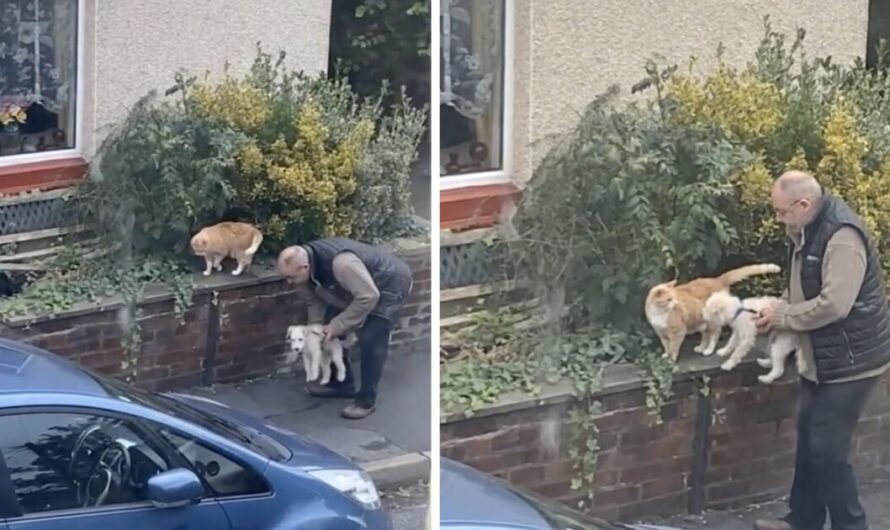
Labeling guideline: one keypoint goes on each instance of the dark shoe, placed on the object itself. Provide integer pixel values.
(318, 390)
(772, 524)
(357, 412)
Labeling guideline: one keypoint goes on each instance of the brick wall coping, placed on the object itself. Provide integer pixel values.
(616, 379)
(220, 281)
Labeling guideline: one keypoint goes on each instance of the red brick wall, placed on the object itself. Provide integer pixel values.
(648, 469)
(249, 341)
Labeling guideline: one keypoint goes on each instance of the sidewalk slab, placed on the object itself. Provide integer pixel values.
(398, 470)
(874, 499)
(393, 438)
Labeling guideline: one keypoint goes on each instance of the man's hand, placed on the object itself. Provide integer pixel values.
(765, 317)
(328, 332)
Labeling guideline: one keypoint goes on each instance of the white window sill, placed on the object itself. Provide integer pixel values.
(43, 156)
(465, 180)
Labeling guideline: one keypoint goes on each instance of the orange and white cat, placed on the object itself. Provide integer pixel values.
(215, 243)
(674, 310)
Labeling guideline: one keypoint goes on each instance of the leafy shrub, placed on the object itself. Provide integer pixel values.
(625, 198)
(302, 157)
(158, 175)
(383, 204)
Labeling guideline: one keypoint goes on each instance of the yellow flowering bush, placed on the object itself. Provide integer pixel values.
(305, 183)
(840, 168)
(235, 102)
(296, 173)
(738, 102)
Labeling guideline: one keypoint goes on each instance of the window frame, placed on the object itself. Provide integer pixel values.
(504, 174)
(77, 150)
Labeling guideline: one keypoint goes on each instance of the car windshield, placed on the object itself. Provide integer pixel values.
(559, 516)
(242, 434)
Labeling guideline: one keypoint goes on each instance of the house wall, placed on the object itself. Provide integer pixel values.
(568, 51)
(133, 46)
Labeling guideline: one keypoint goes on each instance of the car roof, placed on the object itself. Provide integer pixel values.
(471, 497)
(27, 368)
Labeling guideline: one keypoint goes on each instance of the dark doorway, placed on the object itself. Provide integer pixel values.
(878, 28)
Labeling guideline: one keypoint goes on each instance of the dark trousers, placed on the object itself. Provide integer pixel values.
(373, 344)
(823, 476)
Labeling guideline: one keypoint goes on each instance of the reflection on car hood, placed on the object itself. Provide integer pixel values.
(468, 496)
(306, 453)
(647, 527)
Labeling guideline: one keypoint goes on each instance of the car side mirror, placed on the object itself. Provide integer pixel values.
(175, 488)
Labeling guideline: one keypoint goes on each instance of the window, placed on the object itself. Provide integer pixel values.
(224, 476)
(65, 461)
(474, 85)
(39, 58)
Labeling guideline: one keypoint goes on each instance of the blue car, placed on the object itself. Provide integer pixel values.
(80, 451)
(472, 500)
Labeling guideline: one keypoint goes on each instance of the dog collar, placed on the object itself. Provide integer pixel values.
(741, 309)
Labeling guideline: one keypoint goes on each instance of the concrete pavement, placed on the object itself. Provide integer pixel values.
(413, 518)
(392, 444)
(408, 505)
(874, 499)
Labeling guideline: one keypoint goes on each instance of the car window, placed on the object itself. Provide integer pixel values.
(243, 435)
(65, 461)
(224, 476)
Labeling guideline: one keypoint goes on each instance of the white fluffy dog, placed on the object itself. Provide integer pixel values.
(724, 309)
(317, 354)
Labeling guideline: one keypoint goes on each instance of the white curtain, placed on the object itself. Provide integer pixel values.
(471, 54)
(38, 40)
(472, 82)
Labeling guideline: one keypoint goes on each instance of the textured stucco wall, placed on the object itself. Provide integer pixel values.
(568, 51)
(134, 46)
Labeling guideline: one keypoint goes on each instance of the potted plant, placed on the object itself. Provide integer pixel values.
(11, 116)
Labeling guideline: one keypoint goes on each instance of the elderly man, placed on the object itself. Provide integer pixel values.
(353, 287)
(835, 296)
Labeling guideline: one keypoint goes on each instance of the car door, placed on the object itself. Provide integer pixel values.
(248, 500)
(67, 469)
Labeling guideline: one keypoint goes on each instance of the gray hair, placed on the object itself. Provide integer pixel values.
(292, 257)
(797, 185)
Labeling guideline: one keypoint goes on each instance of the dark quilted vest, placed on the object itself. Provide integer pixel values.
(861, 341)
(391, 275)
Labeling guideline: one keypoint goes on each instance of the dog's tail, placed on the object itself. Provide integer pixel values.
(736, 275)
(255, 244)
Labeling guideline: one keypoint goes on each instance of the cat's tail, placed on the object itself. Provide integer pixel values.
(255, 243)
(736, 275)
